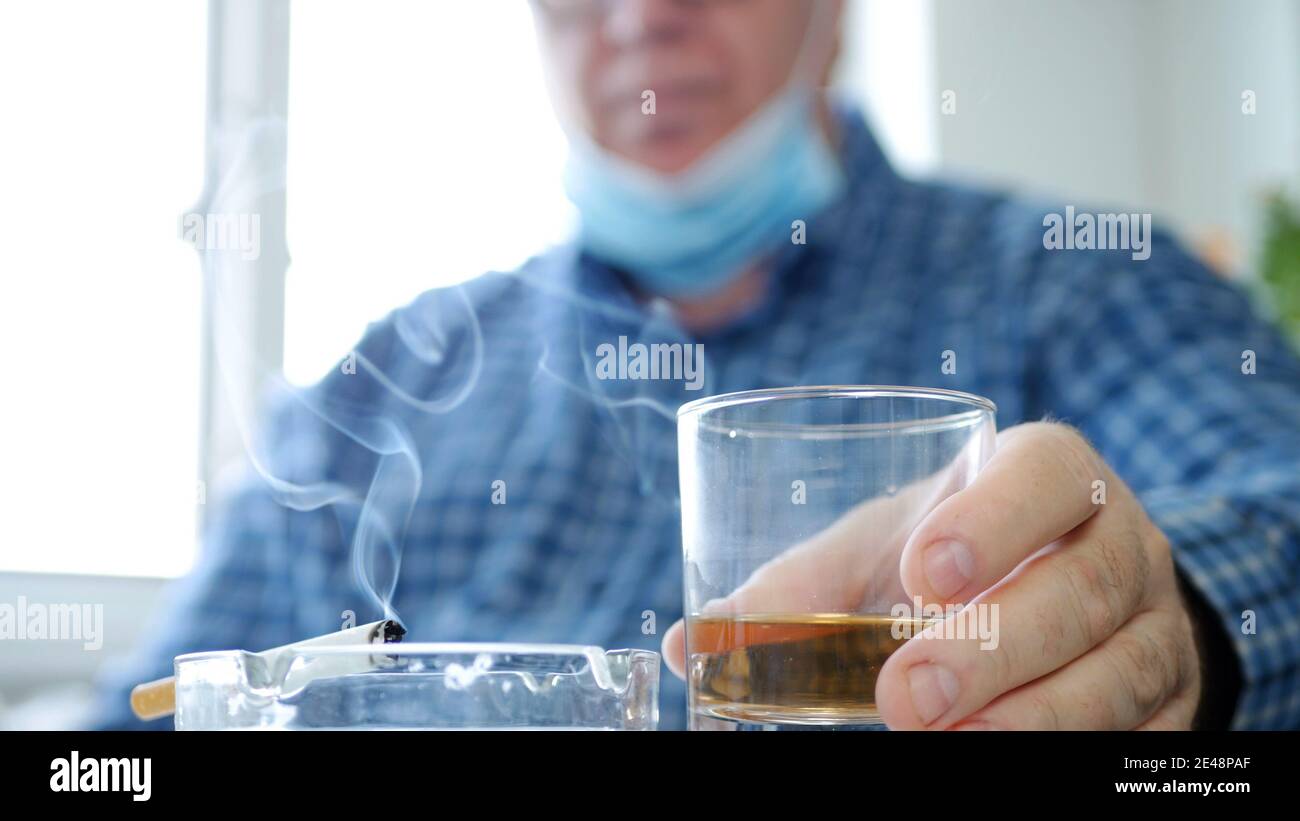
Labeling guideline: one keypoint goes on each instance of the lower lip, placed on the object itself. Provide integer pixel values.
(655, 130)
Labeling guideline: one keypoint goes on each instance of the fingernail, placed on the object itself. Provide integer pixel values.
(934, 689)
(948, 567)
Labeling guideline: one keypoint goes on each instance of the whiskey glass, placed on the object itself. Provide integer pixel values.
(796, 506)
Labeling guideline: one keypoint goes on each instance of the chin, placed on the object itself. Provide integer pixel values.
(669, 151)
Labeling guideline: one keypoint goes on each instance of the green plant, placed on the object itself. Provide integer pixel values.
(1279, 264)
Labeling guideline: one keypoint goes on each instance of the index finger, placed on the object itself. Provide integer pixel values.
(1038, 486)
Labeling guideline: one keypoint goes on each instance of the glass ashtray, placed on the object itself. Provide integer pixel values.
(420, 686)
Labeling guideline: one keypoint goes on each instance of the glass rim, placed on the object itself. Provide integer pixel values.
(750, 397)
(424, 648)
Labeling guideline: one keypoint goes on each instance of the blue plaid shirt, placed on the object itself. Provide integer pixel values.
(494, 381)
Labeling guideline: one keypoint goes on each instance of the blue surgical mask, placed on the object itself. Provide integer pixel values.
(690, 233)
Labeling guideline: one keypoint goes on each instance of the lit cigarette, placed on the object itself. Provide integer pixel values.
(156, 699)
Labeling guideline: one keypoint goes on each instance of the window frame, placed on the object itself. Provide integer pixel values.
(247, 85)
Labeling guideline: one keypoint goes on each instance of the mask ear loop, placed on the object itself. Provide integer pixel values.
(821, 29)
(803, 82)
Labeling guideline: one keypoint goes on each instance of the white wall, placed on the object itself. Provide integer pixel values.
(887, 64)
(1210, 161)
(1116, 102)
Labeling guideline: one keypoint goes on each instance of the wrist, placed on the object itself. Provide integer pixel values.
(1219, 665)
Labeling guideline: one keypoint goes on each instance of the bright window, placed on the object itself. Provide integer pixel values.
(101, 151)
(422, 153)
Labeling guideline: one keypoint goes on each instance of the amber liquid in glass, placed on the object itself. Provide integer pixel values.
(806, 668)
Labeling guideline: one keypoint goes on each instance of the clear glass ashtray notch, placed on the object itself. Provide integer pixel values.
(420, 686)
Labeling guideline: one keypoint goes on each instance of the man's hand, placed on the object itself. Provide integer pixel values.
(1093, 632)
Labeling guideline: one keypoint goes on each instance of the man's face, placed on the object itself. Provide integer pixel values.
(710, 63)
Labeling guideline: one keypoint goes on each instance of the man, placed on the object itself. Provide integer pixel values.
(724, 202)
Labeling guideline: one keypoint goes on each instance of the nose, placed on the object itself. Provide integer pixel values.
(641, 22)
